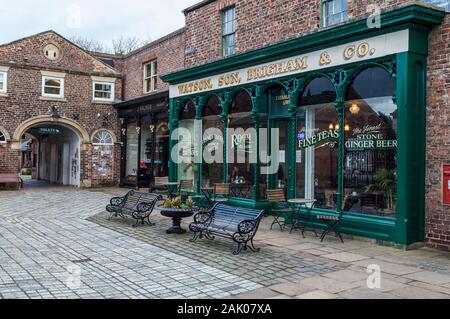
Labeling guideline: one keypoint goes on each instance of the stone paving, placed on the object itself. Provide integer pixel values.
(47, 235)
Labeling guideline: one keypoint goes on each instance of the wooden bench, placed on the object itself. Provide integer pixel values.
(11, 179)
(137, 205)
(238, 224)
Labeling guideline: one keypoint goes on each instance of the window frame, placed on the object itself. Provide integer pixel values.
(61, 89)
(324, 14)
(4, 90)
(153, 77)
(102, 144)
(99, 99)
(226, 35)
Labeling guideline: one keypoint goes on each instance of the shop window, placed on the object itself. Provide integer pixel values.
(370, 164)
(334, 12)
(241, 146)
(3, 82)
(154, 148)
(103, 137)
(132, 150)
(52, 87)
(212, 127)
(229, 31)
(103, 91)
(187, 168)
(445, 4)
(317, 153)
(150, 76)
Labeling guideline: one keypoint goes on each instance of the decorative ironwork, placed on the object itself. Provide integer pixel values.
(137, 205)
(205, 225)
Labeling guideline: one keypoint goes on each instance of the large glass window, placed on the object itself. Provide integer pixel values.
(370, 163)
(229, 31)
(212, 170)
(317, 154)
(334, 12)
(103, 91)
(187, 167)
(131, 168)
(241, 146)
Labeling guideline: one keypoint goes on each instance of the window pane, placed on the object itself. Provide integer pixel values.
(1, 86)
(155, 68)
(103, 87)
(370, 165)
(52, 90)
(2, 77)
(102, 95)
(53, 82)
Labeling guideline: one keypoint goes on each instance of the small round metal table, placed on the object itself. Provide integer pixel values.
(299, 219)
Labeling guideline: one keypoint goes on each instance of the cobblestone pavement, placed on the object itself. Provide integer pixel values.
(48, 233)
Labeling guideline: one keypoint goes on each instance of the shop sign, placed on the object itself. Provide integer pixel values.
(371, 48)
(362, 144)
(49, 131)
(324, 136)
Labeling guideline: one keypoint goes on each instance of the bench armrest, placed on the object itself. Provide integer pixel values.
(202, 217)
(117, 201)
(247, 226)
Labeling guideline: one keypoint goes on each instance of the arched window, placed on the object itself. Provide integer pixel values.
(242, 150)
(102, 137)
(212, 128)
(317, 155)
(370, 161)
(2, 137)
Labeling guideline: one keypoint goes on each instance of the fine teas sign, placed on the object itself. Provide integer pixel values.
(370, 48)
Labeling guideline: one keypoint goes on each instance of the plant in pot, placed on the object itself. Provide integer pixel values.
(385, 181)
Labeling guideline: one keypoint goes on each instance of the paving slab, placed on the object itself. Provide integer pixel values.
(317, 294)
(411, 292)
(345, 257)
(388, 267)
(290, 289)
(365, 293)
(327, 284)
(347, 275)
(429, 277)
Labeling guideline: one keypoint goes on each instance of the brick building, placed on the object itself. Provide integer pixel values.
(360, 98)
(62, 97)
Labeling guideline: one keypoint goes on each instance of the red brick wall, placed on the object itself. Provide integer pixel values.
(438, 135)
(169, 53)
(24, 99)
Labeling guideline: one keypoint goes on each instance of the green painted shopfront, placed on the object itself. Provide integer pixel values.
(349, 106)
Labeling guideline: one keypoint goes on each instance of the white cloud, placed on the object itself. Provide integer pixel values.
(102, 20)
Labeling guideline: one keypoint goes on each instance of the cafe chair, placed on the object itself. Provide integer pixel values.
(333, 221)
(159, 186)
(186, 189)
(221, 193)
(280, 208)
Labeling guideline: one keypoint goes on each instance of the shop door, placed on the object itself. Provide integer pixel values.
(280, 179)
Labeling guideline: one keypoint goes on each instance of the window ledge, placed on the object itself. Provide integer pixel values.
(3, 94)
(102, 102)
(55, 99)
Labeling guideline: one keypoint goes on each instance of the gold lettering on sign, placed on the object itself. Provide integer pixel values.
(229, 79)
(362, 50)
(277, 68)
(324, 58)
(195, 86)
(349, 52)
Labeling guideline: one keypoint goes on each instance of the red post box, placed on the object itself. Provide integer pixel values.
(446, 186)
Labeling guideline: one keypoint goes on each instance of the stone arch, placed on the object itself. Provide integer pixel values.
(85, 139)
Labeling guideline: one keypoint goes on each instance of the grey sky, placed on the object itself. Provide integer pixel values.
(100, 20)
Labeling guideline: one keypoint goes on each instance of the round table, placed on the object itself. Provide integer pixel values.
(302, 202)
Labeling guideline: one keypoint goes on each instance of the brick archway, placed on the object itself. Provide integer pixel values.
(45, 119)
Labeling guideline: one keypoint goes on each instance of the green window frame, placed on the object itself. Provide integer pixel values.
(229, 31)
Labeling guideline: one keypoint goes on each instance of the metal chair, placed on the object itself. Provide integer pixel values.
(333, 221)
(223, 190)
(280, 208)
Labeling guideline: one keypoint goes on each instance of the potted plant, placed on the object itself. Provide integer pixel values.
(175, 209)
(385, 181)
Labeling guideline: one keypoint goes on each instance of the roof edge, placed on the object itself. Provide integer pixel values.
(197, 6)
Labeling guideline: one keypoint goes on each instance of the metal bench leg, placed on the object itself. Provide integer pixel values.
(197, 235)
(276, 220)
(139, 223)
(149, 222)
(252, 247)
(239, 249)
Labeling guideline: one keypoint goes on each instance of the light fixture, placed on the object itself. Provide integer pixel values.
(331, 126)
(336, 127)
(347, 127)
(354, 109)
